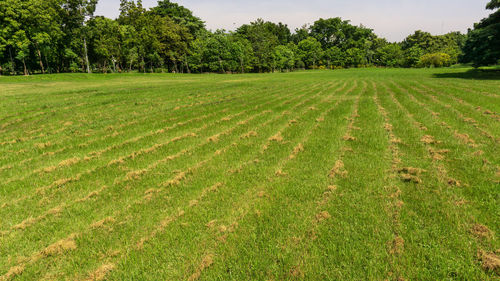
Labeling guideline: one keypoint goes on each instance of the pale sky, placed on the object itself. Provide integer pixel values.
(391, 19)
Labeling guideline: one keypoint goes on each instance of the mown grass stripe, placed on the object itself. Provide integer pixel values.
(229, 145)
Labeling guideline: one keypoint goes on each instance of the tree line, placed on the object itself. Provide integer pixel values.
(53, 36)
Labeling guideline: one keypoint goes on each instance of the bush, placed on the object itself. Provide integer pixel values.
(435, 60)
(300, 65)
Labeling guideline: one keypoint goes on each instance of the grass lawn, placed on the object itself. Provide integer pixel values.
(363, 174)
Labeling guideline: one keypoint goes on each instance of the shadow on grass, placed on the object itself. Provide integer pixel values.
(473, 74)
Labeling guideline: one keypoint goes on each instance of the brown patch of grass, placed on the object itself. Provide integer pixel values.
(291, 122)
(207, 261)
(280, 173)
(211, 223)
(91, 195)
(438, 154)
(43, 145)
(411, 171)
(277, 138)
(13, 272)
(296, 150)
(478, 153)
(388, 127)
(454, 182)
(470, 120)
(49, 169)
(427, 139)
(135, 175)
(312, 108)
(481, 231)
(249, 135)
(338, 170)
(102, 223)
(397, 245)
(68, 162)
(261, 194)
(60, 247)
(61, 182)
(332, 187)
(349, 138)
(320, 119)
(395, 140)
(297, 272)
(193, 203)
(24, 224)
(489, 261)
(347, 149)
(323, 216)
(410, 178)
(101, 272)
(213, 138)
(177, 179)
(465, 138)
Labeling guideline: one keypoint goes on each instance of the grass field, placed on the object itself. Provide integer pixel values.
(322, 175)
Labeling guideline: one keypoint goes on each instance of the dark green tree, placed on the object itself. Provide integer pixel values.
(483, 43)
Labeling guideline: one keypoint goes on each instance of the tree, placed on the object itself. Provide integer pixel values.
(21, 44)
(179, 15)
(74, 14)
(263, 40)
(483, 43)
(105, 42)
(310, 52)
(334, 57)
(340, 33)
(412, 56)
(283, 58)
(390, 55)
(300, 34)
(435, 60)
(355, 57)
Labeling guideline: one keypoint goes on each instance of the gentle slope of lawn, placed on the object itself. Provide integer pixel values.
(365, 174)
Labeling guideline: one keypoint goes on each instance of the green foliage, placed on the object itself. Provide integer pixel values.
(390, 55)
(264, 37)
(483, 43)
(334, 57)
(435, 60)
(63, 35)
(179, 15)
(310, 52)
(355, 57)
(283, 58)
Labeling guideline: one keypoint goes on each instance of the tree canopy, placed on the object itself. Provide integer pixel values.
(48, 36)
(483, 42)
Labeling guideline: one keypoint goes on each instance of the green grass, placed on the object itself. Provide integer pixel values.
(366, 174)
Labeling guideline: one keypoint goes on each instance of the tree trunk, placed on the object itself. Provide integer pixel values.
(47, 65)
(175, 67)
(221, 66)
(40, 57)
(114, 64)
(25, 69)
(12, 65)
(86, 55)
